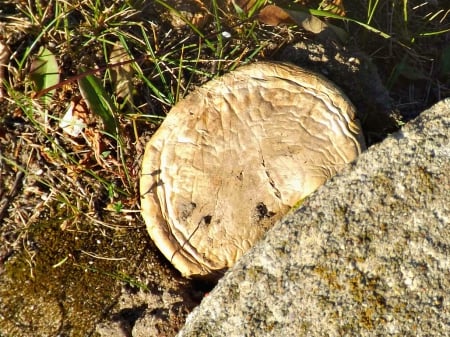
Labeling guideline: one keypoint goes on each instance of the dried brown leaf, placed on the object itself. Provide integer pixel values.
(274, 16)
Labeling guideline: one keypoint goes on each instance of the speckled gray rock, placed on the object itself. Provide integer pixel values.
(368, 254)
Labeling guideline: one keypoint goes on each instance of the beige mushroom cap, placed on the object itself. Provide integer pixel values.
(235, 155)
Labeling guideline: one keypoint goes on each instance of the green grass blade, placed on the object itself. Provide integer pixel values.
(320, 13)
(44, 73)
(99, 102)
(439, 32)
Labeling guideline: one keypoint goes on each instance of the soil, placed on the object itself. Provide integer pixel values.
(75, 257)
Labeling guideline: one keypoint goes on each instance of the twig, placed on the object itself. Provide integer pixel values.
(5, 53)
(11, 194)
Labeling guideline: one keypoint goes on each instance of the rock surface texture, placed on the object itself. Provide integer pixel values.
(366, 255)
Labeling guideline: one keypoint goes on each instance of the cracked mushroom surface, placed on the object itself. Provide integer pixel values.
(235, 155)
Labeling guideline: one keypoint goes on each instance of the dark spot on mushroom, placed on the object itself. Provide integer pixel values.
(207, 219)
(263, 212)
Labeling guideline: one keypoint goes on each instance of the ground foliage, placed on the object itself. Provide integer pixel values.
(69, 205)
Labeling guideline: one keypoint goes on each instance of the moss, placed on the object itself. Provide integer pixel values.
(80, 288)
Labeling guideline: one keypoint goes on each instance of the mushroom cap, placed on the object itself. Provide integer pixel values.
(235, 155)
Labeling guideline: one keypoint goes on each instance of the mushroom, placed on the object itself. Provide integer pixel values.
(238, 153)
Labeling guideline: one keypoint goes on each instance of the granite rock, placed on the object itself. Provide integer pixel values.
(367, 254)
